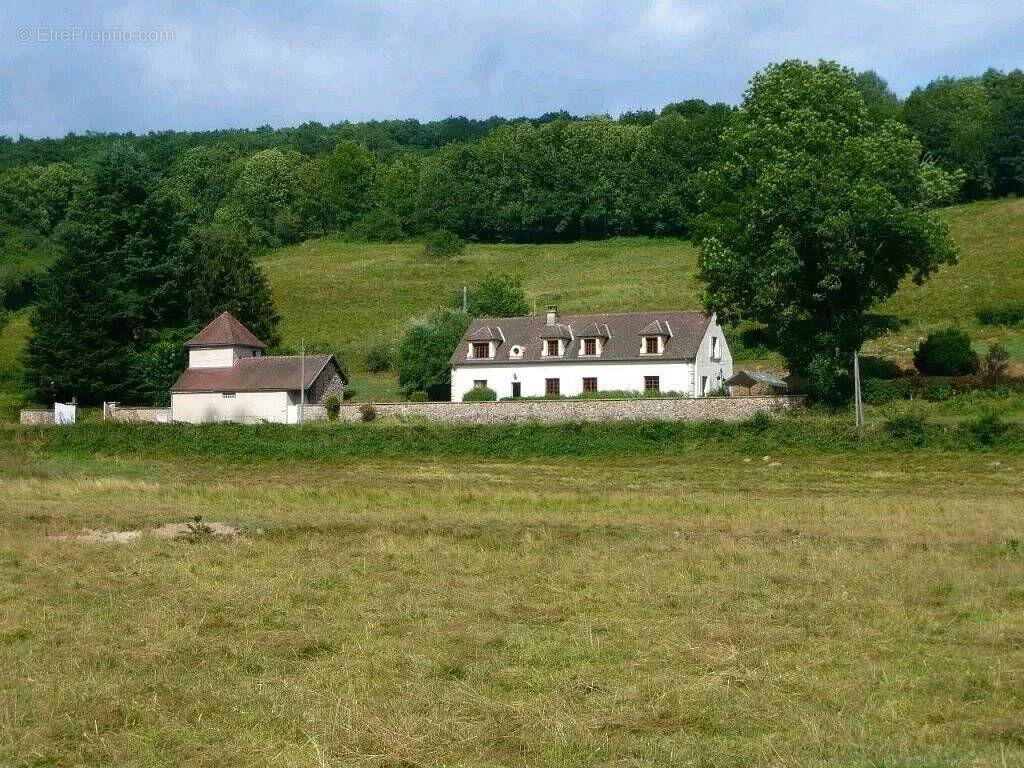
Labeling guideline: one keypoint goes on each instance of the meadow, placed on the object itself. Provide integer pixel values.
(713, 607)
(345, 297)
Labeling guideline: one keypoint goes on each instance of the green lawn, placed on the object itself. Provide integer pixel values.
(716, 610)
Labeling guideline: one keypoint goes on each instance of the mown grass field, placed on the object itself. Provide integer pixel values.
(710, 609)
(345, 297)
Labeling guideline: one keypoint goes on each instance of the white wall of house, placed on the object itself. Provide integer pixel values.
(218, 357)
(710, 369)
(248, 407)
(673, 376)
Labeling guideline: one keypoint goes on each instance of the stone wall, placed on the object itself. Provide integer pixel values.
(327, 383)
(33, 416)
(626, 409)
(117, 412)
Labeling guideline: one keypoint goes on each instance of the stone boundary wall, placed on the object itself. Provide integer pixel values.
(553, 411)
(36, 416)
(115, 412)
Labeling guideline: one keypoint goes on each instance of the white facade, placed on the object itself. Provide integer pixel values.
(218, 357)
(247, 407)
(692, 378)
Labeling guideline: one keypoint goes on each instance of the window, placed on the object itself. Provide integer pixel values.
(704, 383)
(552, 387)
(652, 383)
(716, 352)
(651, 345)
(590, 384)
(552, 347)
(479, 383)
(590, 346)
(481, 349)
(227, 394)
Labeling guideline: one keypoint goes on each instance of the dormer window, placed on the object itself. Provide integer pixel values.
(652, 345)
(553, 348)
(590, 347)
(481, 349)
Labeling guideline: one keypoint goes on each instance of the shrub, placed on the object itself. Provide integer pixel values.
(879, 368)
(332, 405)
(377, 226)
(480, 395)
(988, 428)
(1001, 314)
(882, 391)
(938, 391)
(946, 353)
(443, 244)
(378, 359)
(907, 426)
(419, 396)
(997, 360)
(367, 412)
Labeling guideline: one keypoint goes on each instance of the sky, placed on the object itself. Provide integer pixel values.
(76, 66)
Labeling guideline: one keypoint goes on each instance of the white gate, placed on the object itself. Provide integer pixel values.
(64, 413)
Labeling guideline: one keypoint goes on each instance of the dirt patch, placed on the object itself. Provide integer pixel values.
(166, 531)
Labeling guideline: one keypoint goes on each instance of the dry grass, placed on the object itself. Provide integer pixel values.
(860, 611)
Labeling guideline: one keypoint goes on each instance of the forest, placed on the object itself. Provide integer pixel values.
(147, 236)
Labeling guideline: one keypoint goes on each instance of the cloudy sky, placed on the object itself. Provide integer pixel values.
(150, 65)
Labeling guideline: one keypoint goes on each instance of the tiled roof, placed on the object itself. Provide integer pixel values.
(622, 342)
(255, 374)
(593, 331)
(655, 328)
(485, 333)
(225, 331)
(556, 331)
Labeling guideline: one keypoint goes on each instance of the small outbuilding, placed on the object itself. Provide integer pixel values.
(766, 382)
(230, 379)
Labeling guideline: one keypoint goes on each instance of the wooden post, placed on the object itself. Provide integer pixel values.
(858, 406)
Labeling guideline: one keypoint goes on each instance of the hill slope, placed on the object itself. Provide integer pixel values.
(347, 296)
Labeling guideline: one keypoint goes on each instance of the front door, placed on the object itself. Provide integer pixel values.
(517, 389)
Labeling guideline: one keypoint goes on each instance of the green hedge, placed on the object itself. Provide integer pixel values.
(806, 433)
(1002, 314)
(935, 388)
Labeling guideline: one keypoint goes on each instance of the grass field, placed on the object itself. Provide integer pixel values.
(710, 610)
(345, 297)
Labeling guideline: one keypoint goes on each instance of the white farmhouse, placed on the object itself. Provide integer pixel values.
(673, 351)
(229, 379)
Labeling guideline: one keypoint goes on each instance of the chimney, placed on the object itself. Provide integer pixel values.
(552, 314)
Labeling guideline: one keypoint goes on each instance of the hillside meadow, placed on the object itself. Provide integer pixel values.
(713, 606)
(346, 297)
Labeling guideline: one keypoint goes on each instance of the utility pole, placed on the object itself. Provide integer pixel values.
(302, 382)
(858, 405)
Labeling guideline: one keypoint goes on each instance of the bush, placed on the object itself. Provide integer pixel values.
(1001, 314)
(378, 359)
(419, 396)
(938, 391)
(332, 405)
(377, 226)
(480, 395)
(907, 426)
(946, 353)
(879, 368)
(988, 428)
(997, 360)
(882, 391)
(443, 244)
(367, 412)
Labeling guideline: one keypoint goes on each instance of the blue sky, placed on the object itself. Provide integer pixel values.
(67, 66)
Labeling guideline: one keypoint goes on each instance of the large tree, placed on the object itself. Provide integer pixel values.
(813, 215)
